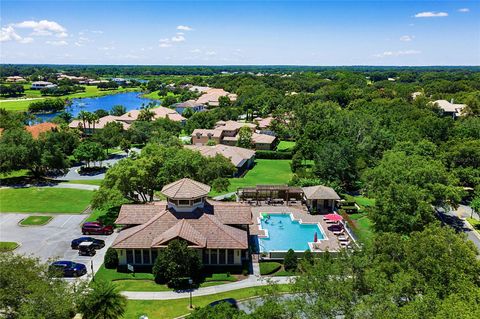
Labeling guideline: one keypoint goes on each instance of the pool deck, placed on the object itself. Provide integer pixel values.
(329, 243)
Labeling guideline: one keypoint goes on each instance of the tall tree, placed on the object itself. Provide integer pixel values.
(103, 301)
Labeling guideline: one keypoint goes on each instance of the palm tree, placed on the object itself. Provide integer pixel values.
(94, 118)
(103, 301)
(83, 115)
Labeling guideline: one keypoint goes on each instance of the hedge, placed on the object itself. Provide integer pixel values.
(273, 155)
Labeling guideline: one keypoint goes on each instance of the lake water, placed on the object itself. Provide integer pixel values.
(131, 101)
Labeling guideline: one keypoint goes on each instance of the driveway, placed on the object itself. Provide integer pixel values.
(51, 241)
(113, 159)
(455, 219)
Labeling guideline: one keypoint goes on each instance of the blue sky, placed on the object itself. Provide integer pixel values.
(241, 32)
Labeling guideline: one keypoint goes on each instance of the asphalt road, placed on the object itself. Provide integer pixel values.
(454, 218)
(51, 241)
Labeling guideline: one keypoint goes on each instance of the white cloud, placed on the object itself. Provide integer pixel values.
(178, 38)
(8, 33)
(210, 53)
(196, 51)
(184, 28)
(407, 38)
(82, 40)
(386, 54)
(43, 28)
(464, 10)
(57, 43)
(165, 45)
(97, 31)
(431, 14)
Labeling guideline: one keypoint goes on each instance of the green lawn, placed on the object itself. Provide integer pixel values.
(145, 281)
(267, 268)
(44, 200)
(363, 225)
(266, 171)
(285, 145)
(85, 181)
(7, 246)
(36, 220)
(166, 309)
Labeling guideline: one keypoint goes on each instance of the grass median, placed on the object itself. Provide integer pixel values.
(36, 220)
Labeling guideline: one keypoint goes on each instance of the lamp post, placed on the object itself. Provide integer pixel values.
(190, 281)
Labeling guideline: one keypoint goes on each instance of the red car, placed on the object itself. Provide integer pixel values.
(96, 228)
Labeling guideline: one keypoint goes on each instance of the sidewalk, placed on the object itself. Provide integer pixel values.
(251, 281)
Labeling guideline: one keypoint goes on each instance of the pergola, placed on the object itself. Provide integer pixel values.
(270, 193)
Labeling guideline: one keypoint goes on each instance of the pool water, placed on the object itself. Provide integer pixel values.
(285, 234)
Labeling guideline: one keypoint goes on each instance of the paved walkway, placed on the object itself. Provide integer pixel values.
(251, 281)
(224, 196)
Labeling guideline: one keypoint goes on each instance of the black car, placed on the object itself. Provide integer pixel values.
(68, 268)
(232, 302)
(97, 243)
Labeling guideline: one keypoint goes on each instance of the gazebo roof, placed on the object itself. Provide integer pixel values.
(185, 188)
(320, 192)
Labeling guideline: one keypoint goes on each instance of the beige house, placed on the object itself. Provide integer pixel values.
(15, 79)
(226, 132)
(450, 108)
(99, 124)
(320, 199)
(158, 112)
(217, 230)
(241, 158)
(210, 96)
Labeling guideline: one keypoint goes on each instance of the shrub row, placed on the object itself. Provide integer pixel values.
(273, 155)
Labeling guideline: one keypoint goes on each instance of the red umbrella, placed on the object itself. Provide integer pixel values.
(315, 237)
(334, 217)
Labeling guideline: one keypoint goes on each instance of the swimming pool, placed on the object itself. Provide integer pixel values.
(283, 233)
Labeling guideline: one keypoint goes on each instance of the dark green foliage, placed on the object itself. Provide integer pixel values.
(273, 154)
(47, 105)
(103, 301)
(220, 184)
(308, 257)
(11, 90)
(89, 152)
(175, 263)
(118, 110)
(221, 311)
(290, 261)
(27, 290)
(111, 259)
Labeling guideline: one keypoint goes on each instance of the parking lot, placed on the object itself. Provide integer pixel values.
(51, 241)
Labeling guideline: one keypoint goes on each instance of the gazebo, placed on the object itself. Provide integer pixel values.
(320, 199)
(270, 194)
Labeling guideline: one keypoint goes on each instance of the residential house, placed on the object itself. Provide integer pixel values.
(158, 112)
(226, 132)
(38, 129)
(38, 85)
(99, 124)
(242, 158)
(15, 79)
(217, 230)
(190, 104)
(320, 199)
(450, 108)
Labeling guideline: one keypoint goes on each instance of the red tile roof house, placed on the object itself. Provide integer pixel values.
(217, 230)
(38, 129)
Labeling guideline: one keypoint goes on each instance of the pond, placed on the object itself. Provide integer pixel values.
(131, 101)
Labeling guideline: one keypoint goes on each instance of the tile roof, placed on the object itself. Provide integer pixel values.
(263, 138)
(206, 132)
(205, 228)
(450, 107)
(237, 155)
(136, 214)
(37, 129)
(185, 188)
(159, 112)
(320, 192)
(233, 125)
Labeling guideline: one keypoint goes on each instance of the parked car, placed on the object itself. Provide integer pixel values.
(86, 249)
(232, 302)
(98, 243)
(96, 228)
(69, 268)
